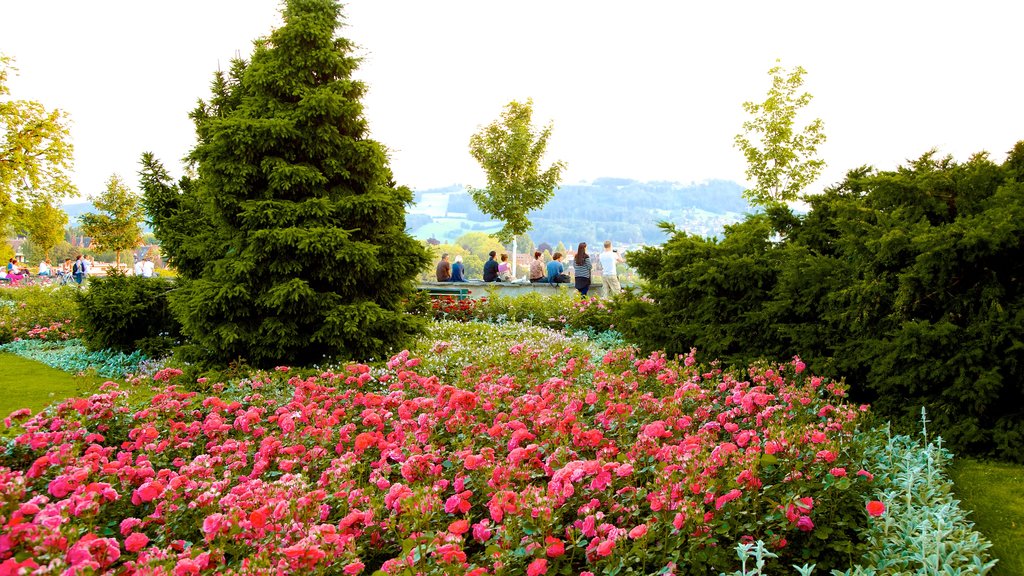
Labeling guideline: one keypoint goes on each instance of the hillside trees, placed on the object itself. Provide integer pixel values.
(36, 155)
(306, 258)
(510, 151)
(116, 225)
(783, 160)
(905, 282)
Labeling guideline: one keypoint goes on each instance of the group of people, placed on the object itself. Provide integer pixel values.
(144, 268)
(555, 272)
(69, 271)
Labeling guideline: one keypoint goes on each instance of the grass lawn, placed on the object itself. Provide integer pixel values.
(995, 493)
(26, 383)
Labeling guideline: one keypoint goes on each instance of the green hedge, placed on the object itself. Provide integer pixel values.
(907, 283)
(128, 313)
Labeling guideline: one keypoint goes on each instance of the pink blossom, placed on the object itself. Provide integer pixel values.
(137, 541)
(537, 567)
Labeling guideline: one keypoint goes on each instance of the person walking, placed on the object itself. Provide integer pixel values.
(444, 269)
(609, 275)
(582, 267)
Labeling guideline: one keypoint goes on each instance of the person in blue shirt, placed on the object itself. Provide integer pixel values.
(556, 270)
(491, 268)
(458, 270)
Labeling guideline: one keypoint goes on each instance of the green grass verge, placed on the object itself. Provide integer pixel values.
(995, 493)
(26, 383)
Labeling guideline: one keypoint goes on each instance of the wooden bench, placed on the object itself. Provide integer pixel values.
(435, 291)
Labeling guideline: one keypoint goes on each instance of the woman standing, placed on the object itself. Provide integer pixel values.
(582, 267)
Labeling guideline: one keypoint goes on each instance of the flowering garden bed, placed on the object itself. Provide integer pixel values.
(548, 464)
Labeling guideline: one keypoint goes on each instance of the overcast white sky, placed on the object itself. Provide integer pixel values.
(648, 90)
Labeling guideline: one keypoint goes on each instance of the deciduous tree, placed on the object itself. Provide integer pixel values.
(35, 152)
(44, 225)
(116, 225)
(781, 159)
(510, 151)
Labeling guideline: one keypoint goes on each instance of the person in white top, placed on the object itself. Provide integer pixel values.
(137, 269)
(147, 268)
(44, 268)
(609, 276)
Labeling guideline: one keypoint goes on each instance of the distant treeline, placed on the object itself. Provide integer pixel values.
(620, 209)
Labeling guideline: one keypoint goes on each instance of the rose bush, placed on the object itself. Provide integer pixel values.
(47, 312)
(543, 463)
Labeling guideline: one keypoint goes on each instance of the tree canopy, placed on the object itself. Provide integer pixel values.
(510, 151)
(783, 160)
(116, 225)
(296, 250)
(36, 155)
(905, 282)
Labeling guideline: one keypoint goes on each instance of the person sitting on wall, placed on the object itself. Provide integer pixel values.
(537, 269)
(556, 270)
(458, 270)
(444, 269)
(491, 268)
(504, 269)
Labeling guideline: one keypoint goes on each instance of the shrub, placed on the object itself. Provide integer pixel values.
(562, 310)
(128, 313)
(906, 283)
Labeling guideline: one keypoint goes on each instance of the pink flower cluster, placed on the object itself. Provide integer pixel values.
(638, 461)
(59, 330)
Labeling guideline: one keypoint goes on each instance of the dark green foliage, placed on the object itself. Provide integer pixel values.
(291, 242)
(173, 212)
(128, 313)
(906, 283)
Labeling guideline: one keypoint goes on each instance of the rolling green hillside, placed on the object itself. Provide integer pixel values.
(626, 211)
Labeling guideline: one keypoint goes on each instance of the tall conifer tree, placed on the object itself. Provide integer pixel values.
(308, 259)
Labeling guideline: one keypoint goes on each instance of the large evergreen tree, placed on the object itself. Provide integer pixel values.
(307, 258)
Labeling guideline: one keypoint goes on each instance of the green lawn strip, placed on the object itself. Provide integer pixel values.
(994, 491)
(26, 383)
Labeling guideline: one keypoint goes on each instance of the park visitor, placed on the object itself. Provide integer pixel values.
(44, 268)
(609, 275)
(458, 270)
(444, 269)
(504, 270)
(491, 267)
(556, 270)
(147, 268)
(537, 269)
(79, 269)
(582, 268)
(137, 269)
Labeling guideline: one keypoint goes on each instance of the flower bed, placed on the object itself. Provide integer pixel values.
(46, 312)
(544, 464)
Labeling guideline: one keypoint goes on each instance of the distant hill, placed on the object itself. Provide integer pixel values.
(77, 209)
(625, 211)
